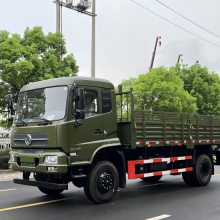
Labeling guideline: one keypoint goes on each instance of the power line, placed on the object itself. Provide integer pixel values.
(176, 25)
(191, 21)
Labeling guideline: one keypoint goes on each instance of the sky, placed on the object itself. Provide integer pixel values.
(125, 33)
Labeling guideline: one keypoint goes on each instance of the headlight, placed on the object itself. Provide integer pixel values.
(50, 160)
(12, 158)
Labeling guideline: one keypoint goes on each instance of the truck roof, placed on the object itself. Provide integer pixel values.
(62, 81)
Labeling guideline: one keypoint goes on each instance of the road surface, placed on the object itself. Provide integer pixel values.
(169, 199)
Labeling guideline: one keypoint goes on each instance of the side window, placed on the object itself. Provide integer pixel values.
(106, 100)
(91, 103)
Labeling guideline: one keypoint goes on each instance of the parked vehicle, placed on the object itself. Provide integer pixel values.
(69, 130)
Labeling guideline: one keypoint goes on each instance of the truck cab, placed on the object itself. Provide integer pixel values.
(59, 128)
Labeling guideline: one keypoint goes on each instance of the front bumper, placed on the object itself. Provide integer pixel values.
(41, 184)
(29, 162)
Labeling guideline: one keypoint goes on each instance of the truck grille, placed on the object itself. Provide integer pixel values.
(26, 164)
(38, 140)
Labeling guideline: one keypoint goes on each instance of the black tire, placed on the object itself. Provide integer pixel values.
(80, 182)
(202, 172)
(102, 182)
(51, 192)
(189, 179)
(152, 179)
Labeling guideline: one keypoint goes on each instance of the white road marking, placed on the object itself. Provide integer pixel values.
(159, 217)
(5, 190)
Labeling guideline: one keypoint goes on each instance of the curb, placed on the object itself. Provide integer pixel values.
(9, 175)
(7, 171)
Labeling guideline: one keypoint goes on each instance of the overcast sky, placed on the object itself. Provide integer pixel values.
(125, 33)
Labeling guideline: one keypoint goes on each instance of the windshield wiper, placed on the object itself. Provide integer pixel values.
(20, 122)
(43, 119)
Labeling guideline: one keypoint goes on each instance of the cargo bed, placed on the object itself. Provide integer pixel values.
(169, 128)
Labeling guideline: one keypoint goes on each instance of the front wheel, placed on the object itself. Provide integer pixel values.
(47, 178)
(102, 183)
(50, 192)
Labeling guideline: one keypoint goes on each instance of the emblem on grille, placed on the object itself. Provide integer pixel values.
(28, 139)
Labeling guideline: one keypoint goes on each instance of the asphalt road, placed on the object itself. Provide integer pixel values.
(169, 199)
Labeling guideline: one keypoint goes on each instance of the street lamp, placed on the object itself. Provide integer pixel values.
(93, 40)
(81, 6)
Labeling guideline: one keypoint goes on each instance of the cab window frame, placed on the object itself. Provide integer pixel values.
(89, 114)
(106, 97)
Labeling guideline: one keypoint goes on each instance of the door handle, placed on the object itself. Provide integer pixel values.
(98, 131)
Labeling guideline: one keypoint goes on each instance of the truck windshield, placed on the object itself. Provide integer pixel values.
(41, 105)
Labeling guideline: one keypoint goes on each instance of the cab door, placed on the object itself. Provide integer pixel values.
(87, 136)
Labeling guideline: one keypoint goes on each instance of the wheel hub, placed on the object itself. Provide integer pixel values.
(204, 170)
(105, 182)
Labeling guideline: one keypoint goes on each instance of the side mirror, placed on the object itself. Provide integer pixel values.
(10, 120)
(81, 98)
(8, 99)
(80, 114)
(80, 105)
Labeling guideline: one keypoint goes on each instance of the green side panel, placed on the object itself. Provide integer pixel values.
(126, 134)
(171, 126)
(63, 136)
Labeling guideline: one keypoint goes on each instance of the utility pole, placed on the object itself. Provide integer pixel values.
(93, 39)
(158, 38)
(81, 6)
(178, 60)
(58, 17)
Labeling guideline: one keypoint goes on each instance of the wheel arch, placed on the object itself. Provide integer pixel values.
(115, 155)
(203, 149)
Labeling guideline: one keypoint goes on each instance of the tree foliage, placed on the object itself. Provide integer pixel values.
(32, 57)
(161, 90)
(204, 86)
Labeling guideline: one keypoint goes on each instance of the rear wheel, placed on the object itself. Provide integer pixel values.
(102, 183)
(189, 179)
(152, 179)
(202, 172)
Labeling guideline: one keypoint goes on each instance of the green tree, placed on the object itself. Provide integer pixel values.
(32, 57)
(161, 90)
(204, 86)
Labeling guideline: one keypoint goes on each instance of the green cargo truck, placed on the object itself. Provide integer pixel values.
(80, 130)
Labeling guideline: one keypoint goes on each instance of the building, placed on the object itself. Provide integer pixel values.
(4, 139)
